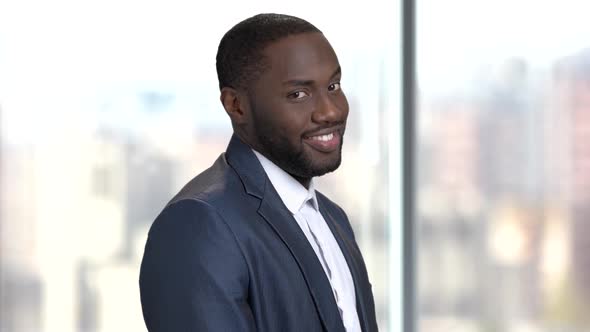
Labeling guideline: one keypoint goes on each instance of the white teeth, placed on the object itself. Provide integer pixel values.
(324, 138)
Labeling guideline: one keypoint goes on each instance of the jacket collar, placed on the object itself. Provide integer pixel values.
(241, 158)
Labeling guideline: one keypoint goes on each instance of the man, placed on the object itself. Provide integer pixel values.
(249, 245)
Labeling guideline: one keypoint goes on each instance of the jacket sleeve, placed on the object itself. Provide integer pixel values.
(193, 274)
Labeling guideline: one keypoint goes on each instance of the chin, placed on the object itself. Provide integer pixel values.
(326, 167)
(323, 164)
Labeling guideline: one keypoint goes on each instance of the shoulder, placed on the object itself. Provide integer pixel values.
(214, 200)
(194, 209)
(192, 232)
(188, 219)
(212, 185)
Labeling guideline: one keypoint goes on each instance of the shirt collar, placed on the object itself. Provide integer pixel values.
(292, 193)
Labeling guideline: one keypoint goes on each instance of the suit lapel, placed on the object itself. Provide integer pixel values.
(276, 214)
(348, 248)
(283, 223)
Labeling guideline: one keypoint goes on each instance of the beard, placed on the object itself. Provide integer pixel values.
(293, 159)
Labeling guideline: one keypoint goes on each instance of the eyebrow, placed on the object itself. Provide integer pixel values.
(310, 82)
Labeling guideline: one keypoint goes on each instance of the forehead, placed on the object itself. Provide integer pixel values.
(301, 56)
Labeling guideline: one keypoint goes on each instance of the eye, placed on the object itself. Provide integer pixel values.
(334, 86)
(297, 95)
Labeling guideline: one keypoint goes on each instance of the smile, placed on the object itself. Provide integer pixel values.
(324, 138)
(324, 143)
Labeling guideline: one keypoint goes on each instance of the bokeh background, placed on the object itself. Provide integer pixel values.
(107, 108)
(503, 187)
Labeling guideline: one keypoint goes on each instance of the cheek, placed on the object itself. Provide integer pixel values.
(343, 105)
(288, 121)
(292, 129)
(282, 126)
(294, 121)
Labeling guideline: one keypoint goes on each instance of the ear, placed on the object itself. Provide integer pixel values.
(235, 105)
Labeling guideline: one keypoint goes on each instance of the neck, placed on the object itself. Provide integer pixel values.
(304, 181)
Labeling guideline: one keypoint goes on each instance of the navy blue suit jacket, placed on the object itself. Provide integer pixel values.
(226, 255)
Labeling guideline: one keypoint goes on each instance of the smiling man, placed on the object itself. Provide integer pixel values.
(249, 244)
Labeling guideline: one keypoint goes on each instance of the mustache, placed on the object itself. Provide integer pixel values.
(325, 129)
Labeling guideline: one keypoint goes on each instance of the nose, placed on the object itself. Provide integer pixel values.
(330, 109)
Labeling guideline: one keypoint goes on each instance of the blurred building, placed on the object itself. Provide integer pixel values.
(449, 211)
(21, 296)
(572, 82)
(139, 172)
(480, 211)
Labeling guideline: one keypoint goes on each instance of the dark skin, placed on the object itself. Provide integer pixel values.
(295, 112)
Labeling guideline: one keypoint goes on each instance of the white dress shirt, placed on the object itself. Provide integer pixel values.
(303, 204)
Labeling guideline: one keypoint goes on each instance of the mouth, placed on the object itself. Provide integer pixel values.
(325, 142)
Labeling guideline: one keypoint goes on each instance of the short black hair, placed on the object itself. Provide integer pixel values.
(240, 60)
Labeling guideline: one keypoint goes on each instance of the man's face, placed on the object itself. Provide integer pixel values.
(298, 108)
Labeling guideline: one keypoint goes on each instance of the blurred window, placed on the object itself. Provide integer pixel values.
(503, 189)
